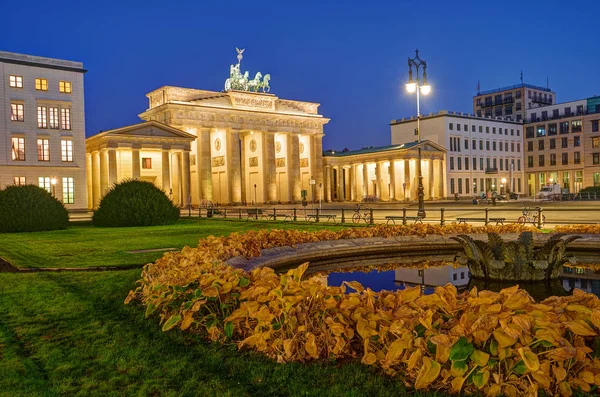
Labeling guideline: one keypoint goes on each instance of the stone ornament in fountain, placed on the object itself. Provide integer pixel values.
(516, 260)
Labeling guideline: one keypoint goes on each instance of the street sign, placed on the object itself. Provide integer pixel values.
(313, 182)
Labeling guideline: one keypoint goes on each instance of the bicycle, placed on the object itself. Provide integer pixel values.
(531, 216)
(357, 216)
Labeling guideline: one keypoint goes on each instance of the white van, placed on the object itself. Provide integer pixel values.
(549, 191)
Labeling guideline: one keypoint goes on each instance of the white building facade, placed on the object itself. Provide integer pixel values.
(484, 154)
(42, 126)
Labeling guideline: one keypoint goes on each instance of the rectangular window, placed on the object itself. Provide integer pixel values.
(596, 142)
(146, 163)
(487, 130)
(65, 118)
(595, 158)
(564, 142)
(459, 185)
(567, 111)
(451, 126)
(68, 190)
(17, 112)
(541, 130)
(466, 144)
(541, 144)
(565, 158)
(519, 165)
(44, 183)
(564, 127)
(487, 145)
(15, 81)
(480, 128)
(576, 141)
(473, 128)
(66, 147)
(541, 160)
(555, 114)
(529, 161)
(576, 126)
(551, 129)
(577, 158)
(481, 163)
(457, 127)
(474, 185)
(41, 84)
(533, 118)
(42, 117)
(500, 146)
(578, 176)
(552, 143)
(512, 146)
(480, 145)
(596, 179)
(451, 163)
(64, 86)
(18, 149)
(466, 163)
(467, 186)
(459, 163)
(494, 146)
(19, 180)
(530, 146)
(506, 146)
(552, 159)
(529, 132)
(43, 145)
(595, 126)
(54, 123)
(474, 144)
(451, 185)
(501, 165)
(474, 163)
(493, 130)
(544, 115)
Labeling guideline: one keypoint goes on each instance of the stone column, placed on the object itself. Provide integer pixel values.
(112, 166)
(185, 176)
(326, 182)
(431, 180)
(317, 162)
(365, 179)
(442, 180)
(359, 183)
(203, 164)
(103, 172)
(269, 169)
(136, 172)
(408, 178)
(294, 167)
(353, 182)
(166, 172)
(234, 168)
(88, 179)
(243, 167)
(176, 178)
(378, 179)
(392, 172)
(96, 188)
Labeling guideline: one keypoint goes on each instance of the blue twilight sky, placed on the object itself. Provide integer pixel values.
(349, 56)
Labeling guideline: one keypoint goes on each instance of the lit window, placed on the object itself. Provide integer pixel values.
(41, 84)
(18, 149)
(42, 116)
(44, 183)
(54, 123)
(43, 149)
(64, 86)
(19, 180)
(147, 163)
(16, 81)
(65, 118)
(66, 150)
(68, 191)
(17, 112)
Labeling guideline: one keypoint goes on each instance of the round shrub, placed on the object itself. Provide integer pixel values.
(30, 208)
(135, 203)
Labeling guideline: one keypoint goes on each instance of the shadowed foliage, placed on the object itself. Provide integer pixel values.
(30, 209)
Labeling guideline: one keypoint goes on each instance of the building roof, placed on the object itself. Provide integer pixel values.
(402, 146)
(42, 62)
(124, 131)
(463, 115)
(514, 87)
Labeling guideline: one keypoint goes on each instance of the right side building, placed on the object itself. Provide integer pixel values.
(562, 145)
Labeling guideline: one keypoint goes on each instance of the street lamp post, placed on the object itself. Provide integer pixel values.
(420, 86)
(53, 182)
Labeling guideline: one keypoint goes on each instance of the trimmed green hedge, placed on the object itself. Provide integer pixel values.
(30, 208)
(135, 203)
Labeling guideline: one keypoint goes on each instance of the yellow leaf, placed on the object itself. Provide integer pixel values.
(493, 391)
(587, 377)
(559, 373)
(188, 318)
(444, 340)
(530, 359)
(480, 358)
(480, 379)
(580, 328)
(579, 384)
(442, 354)
(596, 318)
(458, 368)
(395, 350)
(311, 346)
(363, 329)
(517, 300)
(504, 340)
(562, 353)
(565, 389)
(355, 285)
(457, 384)
(548, 335)
(428, 373)
(369, 359)
(288, 346)
(210, 292)
(414, 359)
(542, 378)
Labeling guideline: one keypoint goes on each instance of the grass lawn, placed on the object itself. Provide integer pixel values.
(83, 246)
(70, 334)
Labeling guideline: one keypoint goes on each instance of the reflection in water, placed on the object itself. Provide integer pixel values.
(584, 279)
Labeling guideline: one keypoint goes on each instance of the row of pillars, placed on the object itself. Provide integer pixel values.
(347, 187)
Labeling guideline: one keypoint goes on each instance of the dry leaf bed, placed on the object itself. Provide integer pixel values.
(495, 343)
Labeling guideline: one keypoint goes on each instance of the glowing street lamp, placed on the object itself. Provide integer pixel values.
(53, 183)
(420, 86)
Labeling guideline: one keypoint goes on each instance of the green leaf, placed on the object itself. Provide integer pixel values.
(520, 368)
(431, 347)
(461, 350)
(494, 347)
(150, 309)
(420, 330)
(481, 378)
(244, 282)
(458, 368)
(171, 322)
(197, 293)
(229, 329)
